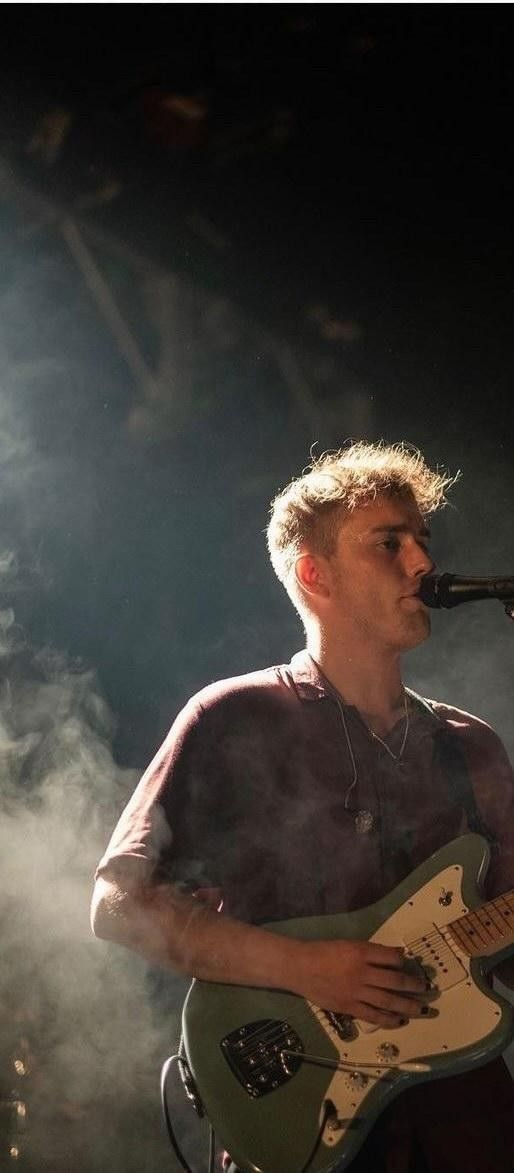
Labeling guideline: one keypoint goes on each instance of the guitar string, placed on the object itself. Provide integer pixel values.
(435, 937)
(478, 913)
(437, 933)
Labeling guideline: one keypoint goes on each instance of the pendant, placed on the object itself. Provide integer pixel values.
(364, 822)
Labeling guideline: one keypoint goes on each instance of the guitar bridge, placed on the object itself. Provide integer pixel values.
(254, 1053)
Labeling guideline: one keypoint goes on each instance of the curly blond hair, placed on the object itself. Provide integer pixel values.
(308, 512)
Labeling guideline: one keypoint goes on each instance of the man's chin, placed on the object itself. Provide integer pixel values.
(419, 631)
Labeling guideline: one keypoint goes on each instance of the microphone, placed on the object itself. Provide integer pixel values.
(448, 590)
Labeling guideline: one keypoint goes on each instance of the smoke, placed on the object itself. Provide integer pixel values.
(106, 527)
(84, 1026)
(469, 660)
(470, 664)
(82, 1034)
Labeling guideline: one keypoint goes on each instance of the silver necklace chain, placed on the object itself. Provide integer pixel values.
(397, 757)
(364, 820)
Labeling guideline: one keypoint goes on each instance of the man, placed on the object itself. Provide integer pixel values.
(316, 787)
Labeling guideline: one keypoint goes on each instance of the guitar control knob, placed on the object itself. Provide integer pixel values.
(388, 1051)
(335, 1124)
(357, 1079)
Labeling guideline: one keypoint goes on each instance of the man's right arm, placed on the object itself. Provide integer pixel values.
(179, 932)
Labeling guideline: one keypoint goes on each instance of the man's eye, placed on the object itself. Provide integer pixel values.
(390, 544)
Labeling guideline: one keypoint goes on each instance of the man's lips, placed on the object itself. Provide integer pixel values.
(414, 595)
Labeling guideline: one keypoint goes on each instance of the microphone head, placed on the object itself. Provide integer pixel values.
(449, 590)
(428, 591)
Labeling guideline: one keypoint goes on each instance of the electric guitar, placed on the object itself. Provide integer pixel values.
(289, 1087)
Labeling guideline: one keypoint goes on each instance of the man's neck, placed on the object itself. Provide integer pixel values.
(367, 678)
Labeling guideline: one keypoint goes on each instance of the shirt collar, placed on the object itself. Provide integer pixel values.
(311, 685)
(309, 682)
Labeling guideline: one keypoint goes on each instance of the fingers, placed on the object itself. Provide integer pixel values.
(385, 1018)
(400, 1006)
(385, 956)
(392, 994)
(393, 979)
(368, 981)
(391, 969)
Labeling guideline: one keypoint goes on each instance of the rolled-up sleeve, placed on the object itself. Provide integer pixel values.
(144, 834)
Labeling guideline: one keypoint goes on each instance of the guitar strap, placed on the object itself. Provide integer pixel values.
(451, 760)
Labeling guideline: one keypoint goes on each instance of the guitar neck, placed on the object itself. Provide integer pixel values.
(486, 930)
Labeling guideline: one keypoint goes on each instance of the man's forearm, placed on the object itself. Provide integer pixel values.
(180, 932)
(353, 977)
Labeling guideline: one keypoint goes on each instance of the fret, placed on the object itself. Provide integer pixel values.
(498, 919)
(508, 899)
(490, 925)
(481, 925)
(506, 912)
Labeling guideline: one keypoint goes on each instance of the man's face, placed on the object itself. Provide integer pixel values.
(375, 574)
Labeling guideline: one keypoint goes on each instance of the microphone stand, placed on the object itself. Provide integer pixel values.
(450, 590)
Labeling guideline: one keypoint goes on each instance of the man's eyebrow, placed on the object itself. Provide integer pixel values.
(423, 530)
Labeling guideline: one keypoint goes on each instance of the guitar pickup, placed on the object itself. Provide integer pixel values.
(433, 950)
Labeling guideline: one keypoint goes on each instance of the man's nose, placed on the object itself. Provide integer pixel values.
(419, 561)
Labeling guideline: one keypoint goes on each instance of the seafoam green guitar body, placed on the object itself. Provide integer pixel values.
(277, 1112)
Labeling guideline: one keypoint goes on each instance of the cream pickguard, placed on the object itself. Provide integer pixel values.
(290, 1087)
(456, 1022)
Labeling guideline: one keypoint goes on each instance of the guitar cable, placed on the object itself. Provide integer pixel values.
(180, 1059)
(328, 1111)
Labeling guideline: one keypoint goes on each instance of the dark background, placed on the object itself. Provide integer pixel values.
(228, 233)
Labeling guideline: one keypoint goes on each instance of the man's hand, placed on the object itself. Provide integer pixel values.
(367, 981)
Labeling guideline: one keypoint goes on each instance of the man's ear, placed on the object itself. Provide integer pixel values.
(311, 573)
